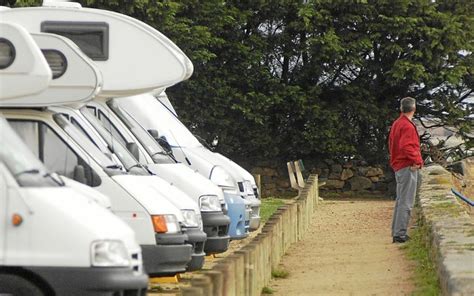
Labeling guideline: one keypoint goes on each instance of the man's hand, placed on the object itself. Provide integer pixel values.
(415, 167)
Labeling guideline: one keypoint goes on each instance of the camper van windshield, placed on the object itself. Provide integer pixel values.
(152, 114)
(122, 153)
(84, 142)
(151, 146)
(20, 161)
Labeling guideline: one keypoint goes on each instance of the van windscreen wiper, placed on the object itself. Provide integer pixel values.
(137, 165)
(114, 167)
(29, 172)
(58, 181)
(170, 154)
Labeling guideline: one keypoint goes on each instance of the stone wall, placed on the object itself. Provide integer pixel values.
(345, 177)
(450, 231)
(274, 180)
(356, 177)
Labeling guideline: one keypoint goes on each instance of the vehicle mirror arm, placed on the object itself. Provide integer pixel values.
(56, 178)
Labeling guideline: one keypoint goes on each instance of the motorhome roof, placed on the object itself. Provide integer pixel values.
(187, 62)
(23, 68)
(132, 57)
(75, 77)
(53, 3)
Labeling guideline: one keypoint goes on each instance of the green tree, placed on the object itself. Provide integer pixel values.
(282, 79)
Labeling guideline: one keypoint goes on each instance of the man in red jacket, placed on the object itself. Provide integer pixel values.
(405, 159)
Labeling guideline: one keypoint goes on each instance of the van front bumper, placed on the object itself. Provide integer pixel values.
(216, 226)
(238, 214)
(255, 204)
(254, 223)
(197, 239)
(169, 256)
(93, 281)
(254, 218)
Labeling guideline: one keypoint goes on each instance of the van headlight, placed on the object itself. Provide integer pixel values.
(246, 187)
(190, 218)
(256, 191)
(165, 224)
(209, 203)
(222, 178)
(109, 253)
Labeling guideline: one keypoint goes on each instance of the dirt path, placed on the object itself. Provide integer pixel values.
(348, 251)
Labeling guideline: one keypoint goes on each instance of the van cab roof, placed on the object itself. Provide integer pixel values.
(133, 57)
(23, 68)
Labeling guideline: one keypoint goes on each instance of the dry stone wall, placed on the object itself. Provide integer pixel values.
(450, 231)
(346, 177)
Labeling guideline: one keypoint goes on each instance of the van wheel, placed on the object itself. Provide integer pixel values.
(13, 285)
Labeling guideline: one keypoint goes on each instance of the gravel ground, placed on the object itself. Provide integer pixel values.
(348, 251)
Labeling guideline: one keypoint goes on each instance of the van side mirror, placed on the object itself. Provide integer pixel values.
(86, 175)
(133, 148)
(154, 133)
(160, 140)
(79, 174)
(164, 143)
(94, 178)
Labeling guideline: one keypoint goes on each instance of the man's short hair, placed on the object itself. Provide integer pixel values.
(407, 104)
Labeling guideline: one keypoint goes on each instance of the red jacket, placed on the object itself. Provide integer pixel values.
(404, 144)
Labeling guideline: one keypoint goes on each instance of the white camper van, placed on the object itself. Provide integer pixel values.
(154, 115)
(139, 200)
(94, 252)
(126, 128)
(114, 141)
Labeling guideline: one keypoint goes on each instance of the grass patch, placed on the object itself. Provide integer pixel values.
(267, 291)
(156, 289)
(426, 279)
(447, 208)
(329, 194)
(269, 206)
(280, 274)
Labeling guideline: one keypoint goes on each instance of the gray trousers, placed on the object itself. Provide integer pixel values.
(408, 182)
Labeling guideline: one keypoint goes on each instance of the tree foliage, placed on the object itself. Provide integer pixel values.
(319, 78)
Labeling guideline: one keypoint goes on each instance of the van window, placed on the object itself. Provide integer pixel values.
(22, 164)
(111, 128)
(56, 155)
(152, 114)
(157, 152)
(79, 128)
(91, 37)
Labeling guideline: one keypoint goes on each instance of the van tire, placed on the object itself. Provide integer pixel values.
(14, 285)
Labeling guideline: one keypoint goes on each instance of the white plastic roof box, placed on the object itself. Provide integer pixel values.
(133, 57)
(75, 77)
(27, 72)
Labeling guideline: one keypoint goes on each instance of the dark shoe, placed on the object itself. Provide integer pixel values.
(400, 239)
